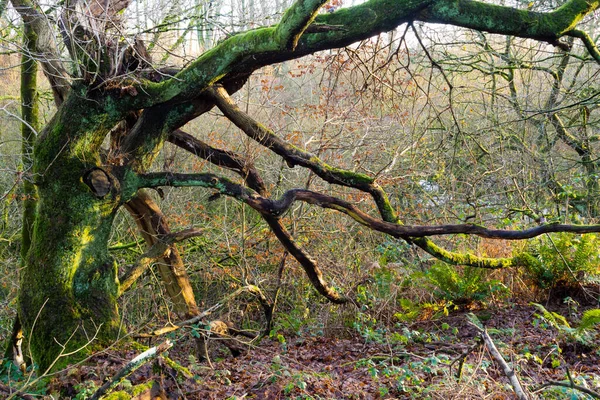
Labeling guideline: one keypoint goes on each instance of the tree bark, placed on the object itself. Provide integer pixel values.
(152, 223)
(69, 283)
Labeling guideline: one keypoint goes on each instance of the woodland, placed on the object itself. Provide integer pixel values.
(255, 199)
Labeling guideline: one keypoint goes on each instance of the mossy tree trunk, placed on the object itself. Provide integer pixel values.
(29, 128)
(69, 284)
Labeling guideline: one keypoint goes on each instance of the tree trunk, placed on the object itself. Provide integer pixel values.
(29, 128)
(69, 284)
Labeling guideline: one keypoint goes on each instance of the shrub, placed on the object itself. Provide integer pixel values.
(563, 259)
(582, 334)
(462, 286)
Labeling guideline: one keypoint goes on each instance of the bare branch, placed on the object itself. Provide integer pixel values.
(278, 207)
(198, 318)
(189, 322)
(309, 265)
(508, 371)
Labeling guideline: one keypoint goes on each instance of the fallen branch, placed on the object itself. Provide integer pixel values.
(179, 325)
(131, 366)
(508, 371)
(158, 250)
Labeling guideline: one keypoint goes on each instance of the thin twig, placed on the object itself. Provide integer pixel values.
(461, 360)
(179, 325)
(569, 385)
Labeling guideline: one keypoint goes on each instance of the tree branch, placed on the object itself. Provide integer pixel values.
(235, 163)
(508, 371)
(152, 224)
(491, 18)
(192, 321)
(222, 158)
(295, 21)
(587, 41)
(277, 207)
(253, 49)
(296, 156)
(293, 155)
(580, 148)
(141, 145)
(309, 265)
(198, 318)
(158, 250)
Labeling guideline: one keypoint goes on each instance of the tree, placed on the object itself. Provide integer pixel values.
(107, 87)
(522, 76)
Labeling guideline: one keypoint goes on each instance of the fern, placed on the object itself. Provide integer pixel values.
(580, 334)
(554, 319)
(564, 259)
(590, 319)
(462, 285)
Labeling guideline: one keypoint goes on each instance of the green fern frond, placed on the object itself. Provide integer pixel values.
(554, 319)
(590, 318)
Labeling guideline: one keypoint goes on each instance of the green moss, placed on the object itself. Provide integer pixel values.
(567, 16)
(462, 258)
(29, 128)
(206, 69)
(139, 389)
(133, 391)
(122, 395)
(527, 260)
(508, 20)
(69, 284)
(130, 184)
(146, 142)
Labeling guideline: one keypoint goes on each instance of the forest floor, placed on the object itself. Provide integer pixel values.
(416, 360)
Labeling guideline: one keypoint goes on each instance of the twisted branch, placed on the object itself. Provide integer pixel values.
(277, 207)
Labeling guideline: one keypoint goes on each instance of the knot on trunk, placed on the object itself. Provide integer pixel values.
(99, 181)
